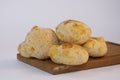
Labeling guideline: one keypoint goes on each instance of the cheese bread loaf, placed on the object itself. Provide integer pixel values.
(96, 47)
(37, 43)
(73, 31)
(68, 54)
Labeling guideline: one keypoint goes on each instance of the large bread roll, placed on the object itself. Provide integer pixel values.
(73, 31)
(96, 47)
(68, 54)
(37, 43)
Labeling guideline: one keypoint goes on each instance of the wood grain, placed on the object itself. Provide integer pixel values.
(112, 58)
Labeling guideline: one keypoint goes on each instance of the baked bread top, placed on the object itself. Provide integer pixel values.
(96, 47)
(73, 31)
(69, 54)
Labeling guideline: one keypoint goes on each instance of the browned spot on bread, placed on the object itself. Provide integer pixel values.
(75, 25)
(32, 49)
(35, 28)
(67, 45)
(68, 21)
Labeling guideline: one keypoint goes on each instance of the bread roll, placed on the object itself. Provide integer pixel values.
(37, 43)
(73, 31)
(68, 54)
(96, 47)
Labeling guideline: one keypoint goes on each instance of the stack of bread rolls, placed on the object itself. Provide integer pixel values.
(71, 44)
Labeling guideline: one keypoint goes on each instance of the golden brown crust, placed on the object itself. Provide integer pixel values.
(73, 31)
(96, 47)
(69, 54)
(67, 45)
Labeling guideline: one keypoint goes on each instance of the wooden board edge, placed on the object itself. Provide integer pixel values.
(70, 68)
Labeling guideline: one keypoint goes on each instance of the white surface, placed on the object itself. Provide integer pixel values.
(18, 16)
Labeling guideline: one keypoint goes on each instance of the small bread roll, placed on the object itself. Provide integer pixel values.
(96, 47)
(68, 54)
(37, 43)
(73, 31)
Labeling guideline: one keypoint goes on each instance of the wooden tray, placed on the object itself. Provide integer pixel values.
(112, 58)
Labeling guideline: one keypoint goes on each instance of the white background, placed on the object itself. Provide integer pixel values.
(18, 16)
